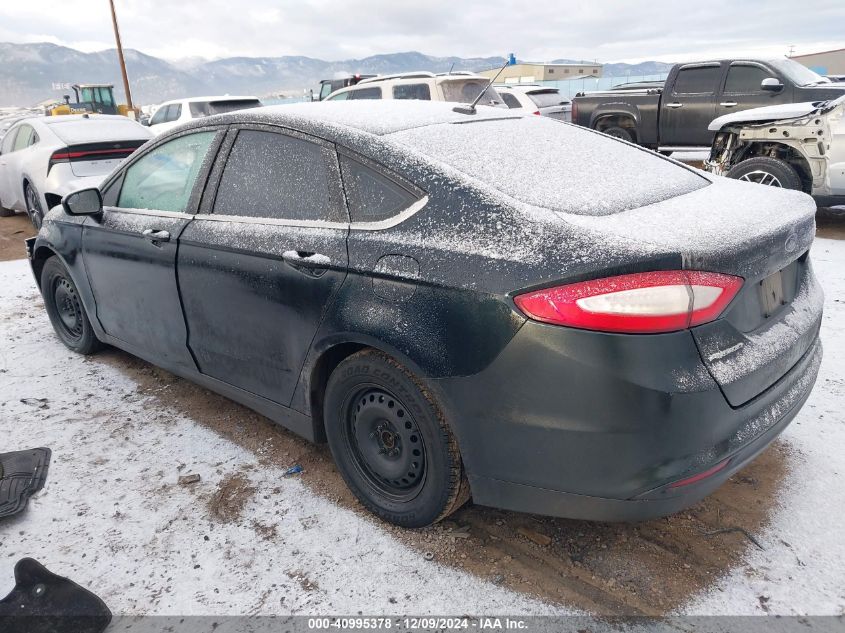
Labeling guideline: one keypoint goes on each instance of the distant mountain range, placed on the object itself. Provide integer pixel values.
(28, 72)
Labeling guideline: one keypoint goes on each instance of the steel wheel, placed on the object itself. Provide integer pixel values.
(33, 206)
(387, 446)
(68, 308)
(761, 178)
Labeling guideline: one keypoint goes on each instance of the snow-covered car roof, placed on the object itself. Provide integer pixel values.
(772, 113)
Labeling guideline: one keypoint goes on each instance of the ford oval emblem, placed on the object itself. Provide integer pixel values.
(791, 243)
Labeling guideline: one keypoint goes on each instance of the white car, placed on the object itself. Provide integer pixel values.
(171, 113)
(44, 158)
(534, 99)
(459, 87)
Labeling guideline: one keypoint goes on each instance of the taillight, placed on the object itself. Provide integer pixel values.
(537, 113)
(574, 110)
(644, 303)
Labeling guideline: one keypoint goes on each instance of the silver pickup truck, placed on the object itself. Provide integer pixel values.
(795, 146)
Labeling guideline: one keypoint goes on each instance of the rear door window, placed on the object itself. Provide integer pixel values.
(697, 80)
(365, 93)
(546, 98)
(24, 138)
(164, 178)
(277, 176)
(371, 195)
(745, 79)
(412, 91)
(510, 100)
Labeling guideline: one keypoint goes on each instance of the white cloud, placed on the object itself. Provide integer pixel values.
(609, 30)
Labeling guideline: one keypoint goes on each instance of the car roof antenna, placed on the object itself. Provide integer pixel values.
(470, 109)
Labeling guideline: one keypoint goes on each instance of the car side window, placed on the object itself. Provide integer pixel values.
(365, 93)
(372, 196)
(24, 138)
(340, 96)
(164, 178)
(412, 91)
(160, 116)
(174, 112)
(745, 79)
(276, 176)
(510, 100)
(9, 141)
(697, 80)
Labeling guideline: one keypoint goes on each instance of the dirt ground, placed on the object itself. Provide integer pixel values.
(13, 231)
(648, 568)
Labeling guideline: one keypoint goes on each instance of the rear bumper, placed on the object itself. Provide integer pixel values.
(593, 426)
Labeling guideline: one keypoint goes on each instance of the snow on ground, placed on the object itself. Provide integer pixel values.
(113, 518)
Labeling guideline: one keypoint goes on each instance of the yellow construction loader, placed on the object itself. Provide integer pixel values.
(95, 98)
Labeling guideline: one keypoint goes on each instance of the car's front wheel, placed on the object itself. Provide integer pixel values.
(65, 309)
(33, 205)
(391, 443)
(764, 170)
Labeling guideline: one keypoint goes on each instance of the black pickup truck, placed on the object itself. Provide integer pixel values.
(676, 115)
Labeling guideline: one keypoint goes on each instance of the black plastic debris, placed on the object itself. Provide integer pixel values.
(22, 474)
(43, 602)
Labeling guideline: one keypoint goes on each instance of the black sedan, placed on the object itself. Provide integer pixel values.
(485, 305)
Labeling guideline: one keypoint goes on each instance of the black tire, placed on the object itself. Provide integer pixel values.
(619, 132)
(391, 443)
(33, 205)
(65, 309)
(767, 171)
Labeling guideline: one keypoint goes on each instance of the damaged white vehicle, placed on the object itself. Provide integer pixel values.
(794, 146)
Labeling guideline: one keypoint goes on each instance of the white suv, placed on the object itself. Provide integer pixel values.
(534, 99)
(459, 87)
(171, 113)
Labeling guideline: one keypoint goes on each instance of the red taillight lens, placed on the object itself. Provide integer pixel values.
(574, 111)
(644, 303)
(537, 113)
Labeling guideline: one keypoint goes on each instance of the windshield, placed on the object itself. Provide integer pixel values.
(797, 73)
(466, 90)
(207, 108)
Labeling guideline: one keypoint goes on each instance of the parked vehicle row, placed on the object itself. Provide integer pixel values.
(611, 341)
(678, 114)
(43, 159)
(460, 87)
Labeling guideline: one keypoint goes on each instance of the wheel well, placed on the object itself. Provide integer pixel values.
(625, 121)
(323, 368)
(783, 152)
(39, 258)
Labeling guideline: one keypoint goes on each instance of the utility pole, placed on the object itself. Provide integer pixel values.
(120, 58)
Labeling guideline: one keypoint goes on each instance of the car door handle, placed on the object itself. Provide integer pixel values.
(306, 258)
(675, 105)
(728, 104)
(156, 236)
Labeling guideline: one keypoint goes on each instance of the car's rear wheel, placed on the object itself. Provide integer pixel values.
(619, 132)
(391, 443)
(33, 205)
(764, 170)
(65, 309)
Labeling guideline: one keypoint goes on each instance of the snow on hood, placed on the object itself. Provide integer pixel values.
(767, 113)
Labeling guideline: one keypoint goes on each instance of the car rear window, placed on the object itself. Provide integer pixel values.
(77, 131)
(365, 93)
(538, 161)
(546, 98)
(201, 109)
(466, 90)
(272, 175)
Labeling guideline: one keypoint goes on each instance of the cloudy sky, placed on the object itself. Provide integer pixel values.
(604, 30)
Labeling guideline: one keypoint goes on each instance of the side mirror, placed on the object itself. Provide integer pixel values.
(83, 202)
(770, 84)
